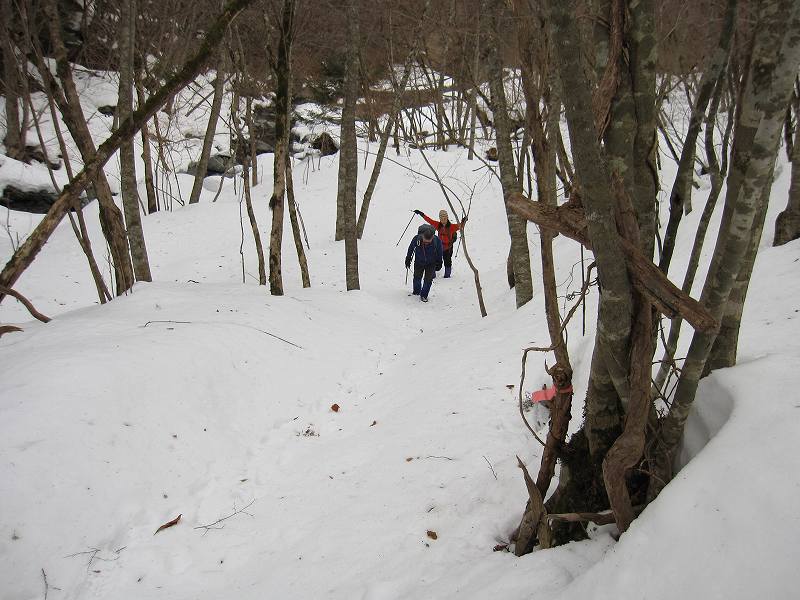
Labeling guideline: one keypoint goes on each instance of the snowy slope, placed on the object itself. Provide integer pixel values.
(180, 399)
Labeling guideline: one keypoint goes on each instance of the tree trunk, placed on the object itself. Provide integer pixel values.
(298, 241)
(147, 158)
(282, 71)
(616, 303)
(70, 107)
(723, 352)
(15, 145)
(130, 193)
(240, 142)
(517, 227)
(211, 129)
(787, 225)
(767, 88)
(348, 162)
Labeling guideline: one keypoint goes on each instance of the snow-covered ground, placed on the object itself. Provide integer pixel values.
(199, 395)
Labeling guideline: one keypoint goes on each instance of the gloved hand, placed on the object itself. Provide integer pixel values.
(417, 212)
(464, 220)
(408, 261)
(438, 266)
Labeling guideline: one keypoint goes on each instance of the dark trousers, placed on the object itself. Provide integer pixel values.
(428, 271)
(448, 261)
(448, 258)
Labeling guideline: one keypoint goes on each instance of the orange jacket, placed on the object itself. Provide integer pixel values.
(446, 232)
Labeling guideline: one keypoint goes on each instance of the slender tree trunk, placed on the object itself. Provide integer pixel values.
(717, 174)
(768, 86)
(80, 229)
(211, 129)
(473, 97)
(15, 145)
(680, 197)
(282, 71)
(787, 225)
(240, 142)
(130, 192)
(70, 107)
(723, 352)
(147, 158)
(252, 139)
(517, 226)
(298, 241)
(348, 162)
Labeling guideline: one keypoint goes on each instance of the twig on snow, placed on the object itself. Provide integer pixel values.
(491, 467)
(236, 511)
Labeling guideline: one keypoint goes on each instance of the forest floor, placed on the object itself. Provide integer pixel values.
(202, 396)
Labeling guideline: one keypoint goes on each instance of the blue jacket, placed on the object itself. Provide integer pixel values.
(425, 255)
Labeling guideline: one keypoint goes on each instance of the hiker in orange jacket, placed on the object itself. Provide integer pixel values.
(448, 235)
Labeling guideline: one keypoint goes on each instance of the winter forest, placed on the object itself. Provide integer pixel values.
(383, 299)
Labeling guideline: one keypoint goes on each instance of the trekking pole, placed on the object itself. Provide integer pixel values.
(404, 231)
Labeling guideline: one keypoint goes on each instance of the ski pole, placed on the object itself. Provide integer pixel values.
(404, 231)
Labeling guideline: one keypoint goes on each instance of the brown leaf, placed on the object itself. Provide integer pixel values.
(374, 423)
(335, 407)
(169, 524)
(409, 459)
(432, 535)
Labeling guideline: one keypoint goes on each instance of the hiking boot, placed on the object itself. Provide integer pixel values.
(423, 298)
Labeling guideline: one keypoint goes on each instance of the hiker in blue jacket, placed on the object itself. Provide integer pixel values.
(427, 251)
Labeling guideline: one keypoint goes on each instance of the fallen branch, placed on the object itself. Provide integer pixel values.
(646, 277)
(25, 302)
(4, 329)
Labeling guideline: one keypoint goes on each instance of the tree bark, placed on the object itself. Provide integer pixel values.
(27, 252)
(768, 85)
(15, 145)
(147, 158)
(130, 192)
(723, 352)
(616, 300)
(211, 129)
(787, 225)
(282, 71)
(517, 227)
(348, 163)
(298, 241)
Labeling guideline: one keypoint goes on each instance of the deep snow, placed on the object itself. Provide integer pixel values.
(178, 399)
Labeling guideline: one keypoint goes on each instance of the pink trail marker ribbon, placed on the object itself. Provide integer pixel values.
(549, 393)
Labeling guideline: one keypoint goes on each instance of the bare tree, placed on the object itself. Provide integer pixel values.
(774, 58)
(211, 129)
(520, 260)
(280, 62)
(130, 193)
(348, 163)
